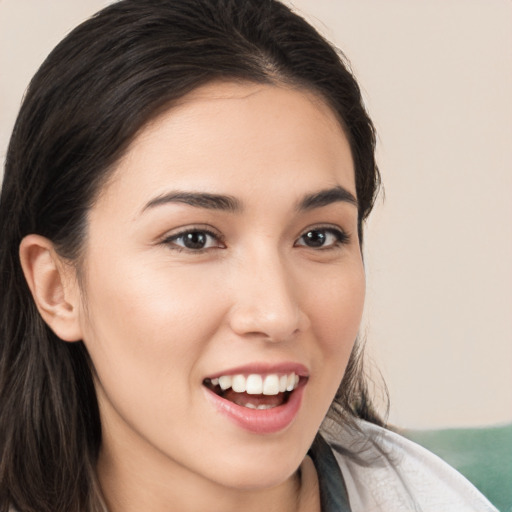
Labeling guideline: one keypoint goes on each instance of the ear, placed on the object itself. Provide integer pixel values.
(54, 286)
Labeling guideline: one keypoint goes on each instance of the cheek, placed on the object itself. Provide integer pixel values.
(143, 330)
(338, 308)
(152, 305)
(145, 333)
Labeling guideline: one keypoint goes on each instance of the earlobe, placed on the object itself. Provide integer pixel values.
(53, 286)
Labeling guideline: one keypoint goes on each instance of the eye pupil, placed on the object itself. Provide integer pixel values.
(195, 240)
(314, 238)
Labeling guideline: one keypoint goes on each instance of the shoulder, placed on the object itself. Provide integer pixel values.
(384, 471)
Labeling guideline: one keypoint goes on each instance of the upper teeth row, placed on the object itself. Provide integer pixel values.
(255, 384)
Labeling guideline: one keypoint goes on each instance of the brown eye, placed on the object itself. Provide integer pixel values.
(314, 238)
(194, 240)
(322, 238)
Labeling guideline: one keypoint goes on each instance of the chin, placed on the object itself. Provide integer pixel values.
(258, 466)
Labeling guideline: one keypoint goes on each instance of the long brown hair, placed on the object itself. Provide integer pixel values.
(94, 92)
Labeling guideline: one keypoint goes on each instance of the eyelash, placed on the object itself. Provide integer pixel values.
(341, 238)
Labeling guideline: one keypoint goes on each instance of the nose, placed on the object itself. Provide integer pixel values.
(266, 300)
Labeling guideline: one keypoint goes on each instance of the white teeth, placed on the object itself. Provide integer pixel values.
(283, 382)
(290, 382)
(260, 407)
(225, 382)
(255, 384)
(271, 385)
(239, 383)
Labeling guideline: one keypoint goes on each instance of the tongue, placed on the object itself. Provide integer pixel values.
(256, 400)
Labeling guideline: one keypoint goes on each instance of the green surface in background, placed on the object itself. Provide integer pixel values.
(482, 455)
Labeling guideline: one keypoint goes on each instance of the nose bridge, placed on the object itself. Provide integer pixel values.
(266, 302)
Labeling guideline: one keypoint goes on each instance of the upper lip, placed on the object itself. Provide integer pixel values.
(263, 369)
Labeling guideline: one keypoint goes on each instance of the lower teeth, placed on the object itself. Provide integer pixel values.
(260, 407)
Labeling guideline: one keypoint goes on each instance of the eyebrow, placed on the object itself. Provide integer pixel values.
(326, 197)
(199, 200)
(233, 205)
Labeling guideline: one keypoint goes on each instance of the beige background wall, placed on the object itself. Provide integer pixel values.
(437, 77)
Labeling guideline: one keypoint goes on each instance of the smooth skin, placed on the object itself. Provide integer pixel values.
(268, 276)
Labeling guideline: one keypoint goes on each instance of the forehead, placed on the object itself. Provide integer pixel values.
(240, 139)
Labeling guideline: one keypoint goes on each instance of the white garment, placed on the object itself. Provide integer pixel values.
(388, 473)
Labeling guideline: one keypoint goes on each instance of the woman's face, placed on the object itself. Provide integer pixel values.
(224, 250)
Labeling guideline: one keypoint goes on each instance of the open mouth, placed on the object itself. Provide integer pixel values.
(255, 391)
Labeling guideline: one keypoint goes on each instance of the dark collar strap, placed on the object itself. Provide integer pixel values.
(333, 491)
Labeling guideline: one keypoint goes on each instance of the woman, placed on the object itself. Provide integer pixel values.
(181, 275)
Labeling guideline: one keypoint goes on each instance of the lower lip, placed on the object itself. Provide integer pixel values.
(266, 421)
